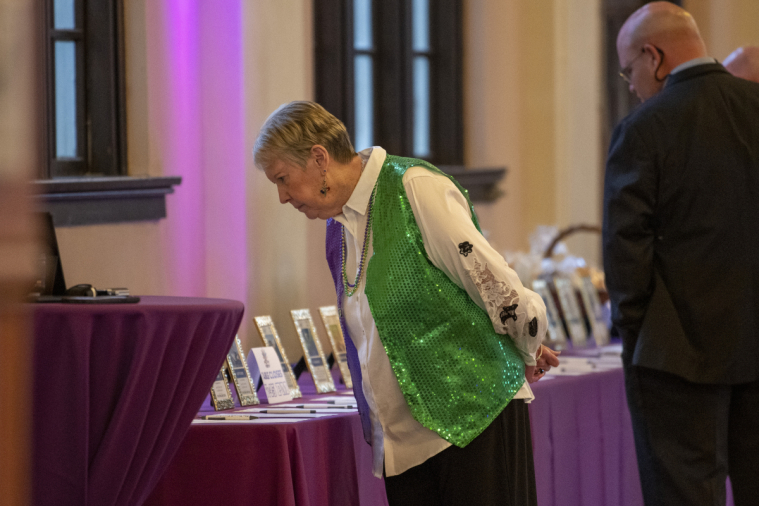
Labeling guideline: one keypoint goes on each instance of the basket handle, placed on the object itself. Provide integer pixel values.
(569, 231)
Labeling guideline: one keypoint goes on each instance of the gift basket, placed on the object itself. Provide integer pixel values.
(574, 292)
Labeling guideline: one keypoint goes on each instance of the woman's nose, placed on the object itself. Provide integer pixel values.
(283, 196)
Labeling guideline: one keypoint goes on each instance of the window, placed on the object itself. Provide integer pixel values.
(85, 179)
(391, 71)
(85, 88)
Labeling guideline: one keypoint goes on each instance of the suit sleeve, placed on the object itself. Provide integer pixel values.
(630, 190)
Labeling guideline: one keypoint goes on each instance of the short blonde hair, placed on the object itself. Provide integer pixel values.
(293, 129)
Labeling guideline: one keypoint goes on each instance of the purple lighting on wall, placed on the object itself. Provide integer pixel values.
(182, 148)
(196, 100)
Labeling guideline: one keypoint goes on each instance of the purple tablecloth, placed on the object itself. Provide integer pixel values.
(581, 434)
(115, 390)
(582, 440)
(323, 461)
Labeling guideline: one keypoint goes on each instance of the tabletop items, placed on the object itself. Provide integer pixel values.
(575, 312)
(573, 290)
(281, 383)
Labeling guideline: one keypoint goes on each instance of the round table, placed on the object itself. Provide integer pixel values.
(115, 389)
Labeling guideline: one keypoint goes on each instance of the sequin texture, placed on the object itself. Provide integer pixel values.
(456, 373)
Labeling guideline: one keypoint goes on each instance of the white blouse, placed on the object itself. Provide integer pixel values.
(442, 214)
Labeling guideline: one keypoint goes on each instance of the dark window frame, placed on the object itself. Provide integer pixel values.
(393, 81)
(94, 187)
(100, 90)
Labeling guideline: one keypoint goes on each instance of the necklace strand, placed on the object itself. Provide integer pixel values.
(350, 288)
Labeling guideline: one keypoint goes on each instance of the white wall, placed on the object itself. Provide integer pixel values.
(532, 86)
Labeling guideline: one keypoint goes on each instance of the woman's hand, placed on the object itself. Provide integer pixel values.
(546, 358)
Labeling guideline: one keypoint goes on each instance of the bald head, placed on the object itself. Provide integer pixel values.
(744, 63)
(654, 40)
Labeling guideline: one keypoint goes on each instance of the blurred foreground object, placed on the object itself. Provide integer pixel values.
(20, 145)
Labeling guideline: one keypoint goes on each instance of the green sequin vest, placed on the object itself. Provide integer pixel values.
(456, 373)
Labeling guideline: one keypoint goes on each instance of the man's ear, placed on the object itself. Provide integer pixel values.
(654, 53)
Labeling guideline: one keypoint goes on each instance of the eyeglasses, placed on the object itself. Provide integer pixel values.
(625, 72)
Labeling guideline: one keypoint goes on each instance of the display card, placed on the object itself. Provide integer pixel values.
(221, 395)
(270, 337)
(238, 369)
(594, 311)
(572, 316)
(275, 384)
(312, 350)
(331, 322)
(556, 338)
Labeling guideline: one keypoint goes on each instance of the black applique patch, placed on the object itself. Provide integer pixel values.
(509, 312)
(533, 327)
(465, 248)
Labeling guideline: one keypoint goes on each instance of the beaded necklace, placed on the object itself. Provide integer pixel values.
(350, 288)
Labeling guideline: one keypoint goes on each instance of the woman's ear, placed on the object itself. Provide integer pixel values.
(320, 155)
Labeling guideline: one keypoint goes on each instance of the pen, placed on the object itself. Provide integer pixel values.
(285, 411)
(229, 417)
(323, 406)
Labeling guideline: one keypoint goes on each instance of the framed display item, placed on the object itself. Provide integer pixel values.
(312, 350)
(238, 370)
(221, 395)
(556, 338)
(572, 315)
(331, 322)
(593, 310)
(270, 337)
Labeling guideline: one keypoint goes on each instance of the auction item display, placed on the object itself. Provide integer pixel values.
(571, 310)
(594, 312)
(270, 337)
(312, 350)
(238, 370)
(556, 338)
(271, 373)
(221, 395)
(331, 322)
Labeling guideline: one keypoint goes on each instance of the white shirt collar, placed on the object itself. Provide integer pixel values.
(692, 63)
(359, 199)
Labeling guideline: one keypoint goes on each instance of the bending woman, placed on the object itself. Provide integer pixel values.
(442, 337)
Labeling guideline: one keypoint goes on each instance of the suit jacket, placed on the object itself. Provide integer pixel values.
(681, 228)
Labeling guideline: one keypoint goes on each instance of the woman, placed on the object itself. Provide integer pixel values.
(440, 332)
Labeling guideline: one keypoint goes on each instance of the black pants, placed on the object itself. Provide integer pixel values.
(689, 437)
(494, 469)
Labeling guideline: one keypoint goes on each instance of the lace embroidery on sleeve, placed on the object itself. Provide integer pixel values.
(500, 299)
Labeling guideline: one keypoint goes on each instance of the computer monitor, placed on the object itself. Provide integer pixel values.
(50, 278)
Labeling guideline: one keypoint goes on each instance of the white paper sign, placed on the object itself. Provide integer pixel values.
(275, 383)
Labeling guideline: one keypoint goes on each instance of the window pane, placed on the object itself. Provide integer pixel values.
(64, 14)
(364, 102)
(421, 106)
(65, 99)
(421, 25)
(362, 24)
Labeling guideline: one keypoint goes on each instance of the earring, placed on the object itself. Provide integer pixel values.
(325, 188)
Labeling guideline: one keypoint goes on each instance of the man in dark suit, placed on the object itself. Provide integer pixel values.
(681, 255)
